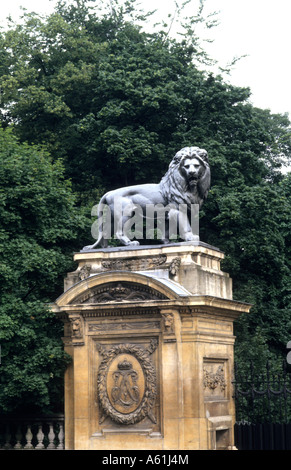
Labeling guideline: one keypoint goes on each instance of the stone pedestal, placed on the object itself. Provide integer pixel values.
(150, 332)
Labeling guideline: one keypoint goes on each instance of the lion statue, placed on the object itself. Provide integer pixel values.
(185, 184)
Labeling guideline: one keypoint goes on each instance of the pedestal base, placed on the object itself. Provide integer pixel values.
(151, 337)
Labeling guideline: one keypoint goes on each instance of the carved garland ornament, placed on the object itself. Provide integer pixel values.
(213, 380)
(126, 383)
(134, 264)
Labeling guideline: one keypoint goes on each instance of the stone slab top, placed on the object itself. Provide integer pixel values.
(141, 250)
(150, 247)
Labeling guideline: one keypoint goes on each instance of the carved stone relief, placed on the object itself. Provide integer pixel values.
(133, 264)
(84, 272)
(119, 292)
(76, 326)
(168, 319)
(76, 329)
(215, 380)
(123, 326)
(174, 266)
(126, 383)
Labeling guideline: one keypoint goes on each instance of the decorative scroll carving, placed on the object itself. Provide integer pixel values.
(85, 272)
(174, 266)
(123, 326)
(133, 264)
(212, 380)
(126, 383)
(119, 292)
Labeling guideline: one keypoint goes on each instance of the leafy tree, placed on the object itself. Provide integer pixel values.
(104, 94)
(39, 226)
(254, 223)
(98, 91)
(116, 103)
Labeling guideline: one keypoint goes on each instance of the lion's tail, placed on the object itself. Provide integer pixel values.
(100, 240)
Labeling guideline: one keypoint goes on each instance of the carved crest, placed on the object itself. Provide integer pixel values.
(126, 391)
(126, 383)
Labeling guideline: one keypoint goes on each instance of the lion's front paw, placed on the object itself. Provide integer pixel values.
(189, 237)
(134, 243)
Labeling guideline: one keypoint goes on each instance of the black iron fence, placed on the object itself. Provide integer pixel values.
(263, 407)
(264, 436)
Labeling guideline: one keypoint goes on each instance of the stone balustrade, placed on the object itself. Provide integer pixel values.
(31, 433)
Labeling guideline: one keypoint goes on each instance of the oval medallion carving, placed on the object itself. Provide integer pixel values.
(126, 382)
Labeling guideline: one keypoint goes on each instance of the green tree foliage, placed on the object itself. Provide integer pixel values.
(116, 102)
(98, 91)
(38, 228)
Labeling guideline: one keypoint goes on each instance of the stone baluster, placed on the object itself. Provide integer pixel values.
(18, 437)
(7, 436)
(28, 437)
(61, 437)
(51, 437)
(21, 435)
(40, 438)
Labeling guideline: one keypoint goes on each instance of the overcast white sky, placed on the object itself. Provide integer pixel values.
(259, 28)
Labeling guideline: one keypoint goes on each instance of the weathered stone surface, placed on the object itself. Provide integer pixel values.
(150, 331)
(195, 266)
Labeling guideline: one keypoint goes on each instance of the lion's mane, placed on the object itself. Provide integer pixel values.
(173, 185)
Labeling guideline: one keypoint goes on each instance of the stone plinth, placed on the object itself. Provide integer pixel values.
(150, 331)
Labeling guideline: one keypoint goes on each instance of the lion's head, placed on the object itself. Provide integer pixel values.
(187, 180)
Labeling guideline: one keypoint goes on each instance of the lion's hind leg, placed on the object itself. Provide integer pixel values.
(121, 222)
(121, 235)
